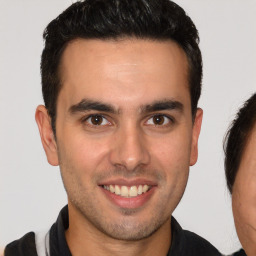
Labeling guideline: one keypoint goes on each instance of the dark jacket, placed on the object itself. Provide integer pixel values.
(184, 243)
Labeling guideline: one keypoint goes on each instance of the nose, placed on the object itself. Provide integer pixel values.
(129, 149)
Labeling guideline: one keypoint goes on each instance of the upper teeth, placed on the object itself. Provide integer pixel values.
(127, 191)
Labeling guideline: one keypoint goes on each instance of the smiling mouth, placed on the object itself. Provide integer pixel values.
(127, 191)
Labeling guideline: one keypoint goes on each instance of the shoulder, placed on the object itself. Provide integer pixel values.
(241, 252)
(198, 245)
(25, 246)
(187, 243)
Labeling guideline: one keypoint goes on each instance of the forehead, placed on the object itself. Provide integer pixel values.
(131, 68)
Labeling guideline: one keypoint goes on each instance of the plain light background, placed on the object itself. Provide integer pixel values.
(31, 191)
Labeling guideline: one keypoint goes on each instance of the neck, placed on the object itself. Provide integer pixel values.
(85, 239)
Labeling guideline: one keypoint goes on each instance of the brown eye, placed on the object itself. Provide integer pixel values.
(158, 120)
(96, 120)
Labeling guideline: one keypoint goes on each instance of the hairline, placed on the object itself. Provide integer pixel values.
(245, 142)
(119, 38)
(243, 137)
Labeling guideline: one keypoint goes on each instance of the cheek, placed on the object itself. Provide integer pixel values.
(173, 159)
(172, 151)
(82, 152)
(244, 207)
(244, 210)
(244, 195)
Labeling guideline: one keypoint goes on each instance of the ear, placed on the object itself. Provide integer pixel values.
(47, 136)
(195, 135)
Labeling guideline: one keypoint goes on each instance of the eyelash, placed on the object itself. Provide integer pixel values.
(85, 120)
(170, 120)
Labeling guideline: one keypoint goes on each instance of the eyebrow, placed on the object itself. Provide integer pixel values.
(163, 105)
(87, 105)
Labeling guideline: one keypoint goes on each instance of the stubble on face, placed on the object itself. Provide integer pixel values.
(125, 75)
(125, 228)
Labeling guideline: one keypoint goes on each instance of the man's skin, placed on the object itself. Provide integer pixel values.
(244, 197)
(123, 118)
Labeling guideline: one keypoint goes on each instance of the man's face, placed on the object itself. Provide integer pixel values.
(244, 197)
(125, 137)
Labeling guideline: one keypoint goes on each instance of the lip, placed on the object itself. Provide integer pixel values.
(128, 202)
